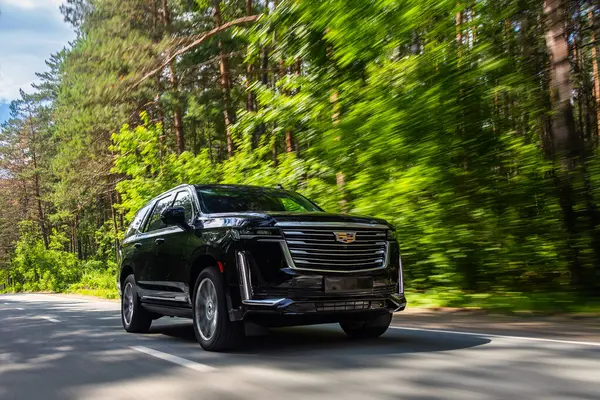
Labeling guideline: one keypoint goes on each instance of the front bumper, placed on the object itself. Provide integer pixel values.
(312, 303)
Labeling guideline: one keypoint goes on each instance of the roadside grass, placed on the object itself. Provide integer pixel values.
(100, 293)
(505, 302)
(96, 283)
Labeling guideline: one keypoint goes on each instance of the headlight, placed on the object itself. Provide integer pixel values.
(391, 234)
(251, 233)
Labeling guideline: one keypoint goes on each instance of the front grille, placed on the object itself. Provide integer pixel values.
(343, 306)
(318, 249)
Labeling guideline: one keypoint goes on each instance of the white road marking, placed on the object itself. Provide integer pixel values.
(597, 344)
(174, 359)
(19, 308)
(47, 318)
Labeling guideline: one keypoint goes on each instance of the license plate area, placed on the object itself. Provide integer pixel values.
(347, 284)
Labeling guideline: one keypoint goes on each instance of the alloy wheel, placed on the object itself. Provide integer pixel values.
(128, 303)
(206, 309)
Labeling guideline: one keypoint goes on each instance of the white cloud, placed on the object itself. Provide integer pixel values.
(30, 31)
(31, 4)
(18, 72)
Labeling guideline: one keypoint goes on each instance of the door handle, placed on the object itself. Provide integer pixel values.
(159, 241)
(137, 245)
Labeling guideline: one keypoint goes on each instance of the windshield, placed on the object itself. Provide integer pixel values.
(225, 199)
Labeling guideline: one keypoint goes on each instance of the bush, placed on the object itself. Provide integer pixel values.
(35, 268)
(95, 279)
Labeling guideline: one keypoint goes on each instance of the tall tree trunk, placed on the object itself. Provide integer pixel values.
(339, 176)
(264, 77)
(209, 141)
(249, 68)
(228, 113)
(76, 244)
(177, 117)
(36, 182)
(579, 82)
(459, 35)
(121, 219)
(595, 72)
(113, 216)
(38, 198)
(566, 147)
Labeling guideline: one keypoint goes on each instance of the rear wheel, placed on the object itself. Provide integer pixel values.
(214, 331)
(133, 316)
(367, 328)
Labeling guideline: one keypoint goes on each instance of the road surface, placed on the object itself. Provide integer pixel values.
(54, 347)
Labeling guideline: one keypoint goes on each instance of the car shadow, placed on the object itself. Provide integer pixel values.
(306, 340)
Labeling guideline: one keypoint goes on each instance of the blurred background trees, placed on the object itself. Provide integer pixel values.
(472, 125)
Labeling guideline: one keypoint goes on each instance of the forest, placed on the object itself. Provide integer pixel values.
(472, 125)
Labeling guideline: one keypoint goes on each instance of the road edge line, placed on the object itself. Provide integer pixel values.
(493, 335)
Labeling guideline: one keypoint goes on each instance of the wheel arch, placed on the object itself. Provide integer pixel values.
(201, 262)
(126, 270)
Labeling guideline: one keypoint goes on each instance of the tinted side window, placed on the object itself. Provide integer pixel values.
(183, 199)
(138, 219)
(154, 222)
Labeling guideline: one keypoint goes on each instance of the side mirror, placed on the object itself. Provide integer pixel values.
(174, 216)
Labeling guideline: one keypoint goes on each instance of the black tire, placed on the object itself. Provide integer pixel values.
(134, 317)
(214, 331)
(369, 328)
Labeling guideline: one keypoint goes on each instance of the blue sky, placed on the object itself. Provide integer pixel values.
(30, 30)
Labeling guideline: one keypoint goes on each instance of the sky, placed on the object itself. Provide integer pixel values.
(30, 30)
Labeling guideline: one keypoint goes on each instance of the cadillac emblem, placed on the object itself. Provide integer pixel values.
(345, 237)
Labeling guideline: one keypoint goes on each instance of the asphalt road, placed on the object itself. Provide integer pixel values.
(54, 347)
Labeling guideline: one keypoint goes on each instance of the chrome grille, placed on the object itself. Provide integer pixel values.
(317, 249)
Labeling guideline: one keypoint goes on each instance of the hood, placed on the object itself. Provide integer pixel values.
(273, 218)
(325, 217)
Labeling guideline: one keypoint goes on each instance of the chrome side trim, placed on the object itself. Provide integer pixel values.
(244, 277)
(285, 224)
(148, 235)
(174, 299)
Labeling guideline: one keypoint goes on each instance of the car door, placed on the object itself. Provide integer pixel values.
(173, 251)
(146, 244)
(131, 245)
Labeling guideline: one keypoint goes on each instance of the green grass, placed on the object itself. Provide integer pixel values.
(505, 302)
(96, 283)
(101, 293)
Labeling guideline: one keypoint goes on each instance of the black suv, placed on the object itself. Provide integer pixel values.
(225, 254)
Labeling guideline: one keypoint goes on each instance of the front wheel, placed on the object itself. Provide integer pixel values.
(214, 331)
(367, 328)
(133, 316)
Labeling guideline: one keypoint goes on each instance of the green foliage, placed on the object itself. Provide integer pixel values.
(435, 115)
(96, 282)
(35, 268)
(140, 158)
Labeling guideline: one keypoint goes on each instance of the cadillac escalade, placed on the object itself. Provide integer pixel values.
(224, 255)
